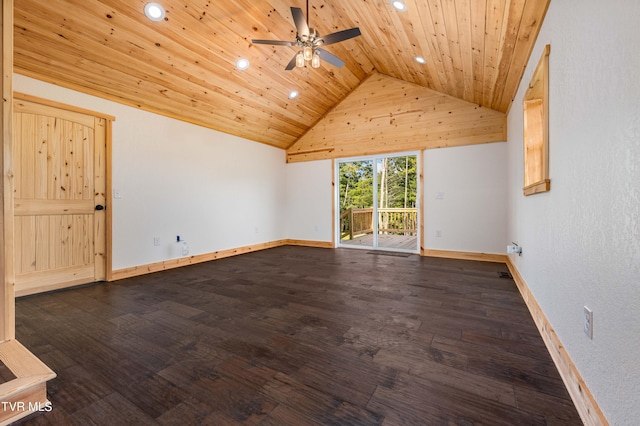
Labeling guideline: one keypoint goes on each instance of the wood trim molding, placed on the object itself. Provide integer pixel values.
(584, 401)
(537, 188)
(59, 105)
(192, 260)
(7, 270)
(109, 199)
(536, 129)
(308, 243)
(463, 255)
(422, 210)
(135, 271)
(334, 200)
(30, 385)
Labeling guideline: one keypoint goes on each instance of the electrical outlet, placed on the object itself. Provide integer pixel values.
(156, 241)
(438, 233)
(514, 248)
(588, 322)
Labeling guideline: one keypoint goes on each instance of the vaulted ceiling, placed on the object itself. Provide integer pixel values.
(184, 66)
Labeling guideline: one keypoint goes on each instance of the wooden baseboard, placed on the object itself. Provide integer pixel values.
(192, 260)
(483, 257)
(27, 393)
(308, 243)
(584, 401)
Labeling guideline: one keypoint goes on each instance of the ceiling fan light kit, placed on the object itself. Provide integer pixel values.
(315, 60)
(308, 53)
(310, 42)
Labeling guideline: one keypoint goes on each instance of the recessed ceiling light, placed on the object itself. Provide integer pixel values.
(242, 64)
(399, 5)
(420, 59)
(154, 11)
(293, 94)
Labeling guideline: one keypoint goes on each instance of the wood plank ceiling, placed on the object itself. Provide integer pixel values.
(184, 66)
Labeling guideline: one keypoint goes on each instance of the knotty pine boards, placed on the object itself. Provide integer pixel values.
(385, 114)
(184, 66)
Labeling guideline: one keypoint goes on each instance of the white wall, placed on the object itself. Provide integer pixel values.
(310, 201)
(581, 240)
(214, 190)
(471, 215)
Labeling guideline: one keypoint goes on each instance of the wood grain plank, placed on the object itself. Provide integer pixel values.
(32, 207)
(493, 29)
(365, 122)
(42, 250)
(26, 249)
(531, 22)
(510, 29)
(183, 67)
(291, 333)
(7, 241)
(478, 8)
(32, 105)
(28, 151)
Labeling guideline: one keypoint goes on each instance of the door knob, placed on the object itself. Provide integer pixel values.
(100, 207)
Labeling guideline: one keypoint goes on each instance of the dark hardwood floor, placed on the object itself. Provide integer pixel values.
(297, 336)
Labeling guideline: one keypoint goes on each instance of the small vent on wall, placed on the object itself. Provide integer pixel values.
(503, 274)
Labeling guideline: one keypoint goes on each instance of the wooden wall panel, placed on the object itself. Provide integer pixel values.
(7, 292)
(30, 373)
(385, 114)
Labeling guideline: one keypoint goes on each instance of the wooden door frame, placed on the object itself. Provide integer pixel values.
(109, 119)
(7, 295)
(31, 375)
(419, 197)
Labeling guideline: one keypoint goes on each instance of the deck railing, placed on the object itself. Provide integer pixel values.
(355, 222)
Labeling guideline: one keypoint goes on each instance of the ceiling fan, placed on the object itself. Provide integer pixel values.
(310, 42)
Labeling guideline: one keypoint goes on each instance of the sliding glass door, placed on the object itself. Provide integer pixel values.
(377, 197)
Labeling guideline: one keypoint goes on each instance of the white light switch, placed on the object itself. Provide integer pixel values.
(439, 195)
(116, 194)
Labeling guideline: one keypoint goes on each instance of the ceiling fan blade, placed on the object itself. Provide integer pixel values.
(292, 63)
(301, 23)
(329, 57)
(274, 42)
(340, 36)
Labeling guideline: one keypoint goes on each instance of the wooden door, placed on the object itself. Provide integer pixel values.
(59, 159)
